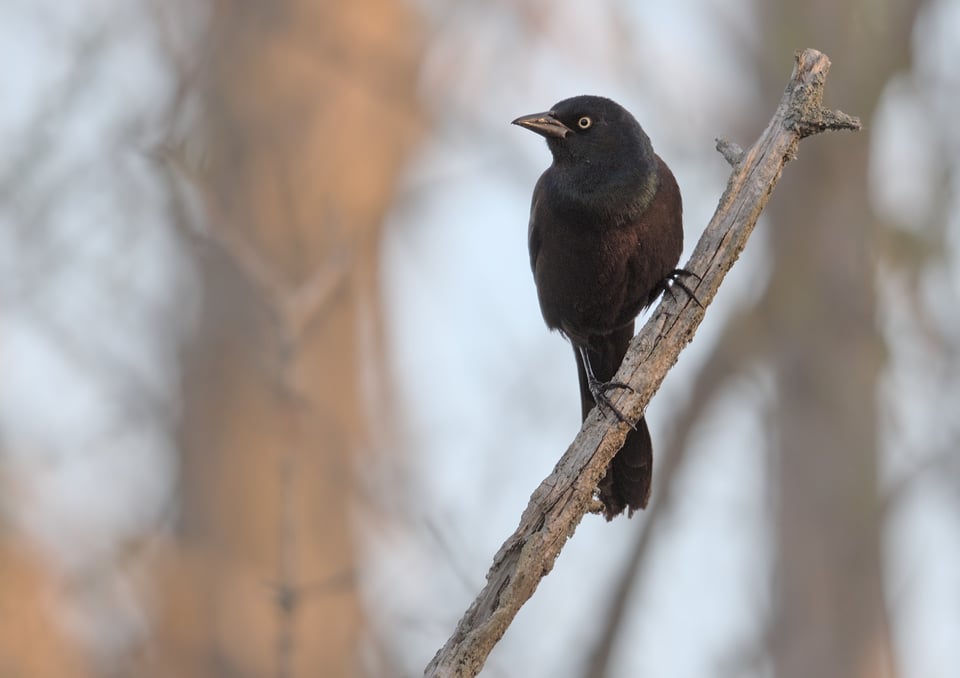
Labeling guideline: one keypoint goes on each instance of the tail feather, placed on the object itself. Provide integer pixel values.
(626, 484)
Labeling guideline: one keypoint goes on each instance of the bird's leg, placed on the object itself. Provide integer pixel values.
(674, 278)
(598, 389)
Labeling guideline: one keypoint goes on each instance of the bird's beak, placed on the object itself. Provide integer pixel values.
(543, 124)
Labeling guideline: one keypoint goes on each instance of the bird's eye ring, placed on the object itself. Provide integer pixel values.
(584, 122)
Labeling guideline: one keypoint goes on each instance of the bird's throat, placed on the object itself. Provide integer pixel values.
(620, 196)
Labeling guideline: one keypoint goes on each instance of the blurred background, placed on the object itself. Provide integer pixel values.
(275, 385)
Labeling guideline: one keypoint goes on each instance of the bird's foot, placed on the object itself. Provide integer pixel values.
(674, 278)
(598, 389)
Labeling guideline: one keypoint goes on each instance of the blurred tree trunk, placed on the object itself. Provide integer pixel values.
(32, 640)
(309, 112)
(829, 618)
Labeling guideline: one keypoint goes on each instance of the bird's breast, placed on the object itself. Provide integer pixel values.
(595, 272)
(584, 280)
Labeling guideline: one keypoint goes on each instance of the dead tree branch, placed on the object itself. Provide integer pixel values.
(560, 502)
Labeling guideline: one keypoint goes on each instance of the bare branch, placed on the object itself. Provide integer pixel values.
(560, 502)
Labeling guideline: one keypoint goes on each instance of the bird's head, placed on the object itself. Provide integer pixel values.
(602, 158)
(589, 129)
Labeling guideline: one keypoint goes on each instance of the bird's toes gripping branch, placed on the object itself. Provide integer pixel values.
(598, 389)
(675, 279)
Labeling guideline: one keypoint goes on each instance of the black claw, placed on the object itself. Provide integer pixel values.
(684, 273)
(674, 278)
(689, 292)
(599, 390)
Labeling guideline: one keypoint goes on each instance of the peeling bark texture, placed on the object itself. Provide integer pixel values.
(560, 502)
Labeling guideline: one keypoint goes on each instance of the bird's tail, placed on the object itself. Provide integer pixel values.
(626, 484)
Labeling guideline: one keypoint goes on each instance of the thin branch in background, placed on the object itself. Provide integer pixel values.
(287, 593)
(562, 499)
(31, 151)
(295, 310)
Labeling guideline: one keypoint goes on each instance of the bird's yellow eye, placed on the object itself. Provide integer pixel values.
(584, 122)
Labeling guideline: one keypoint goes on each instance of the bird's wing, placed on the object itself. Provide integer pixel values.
(534, 237)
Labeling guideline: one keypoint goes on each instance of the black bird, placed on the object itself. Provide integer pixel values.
(605, 236)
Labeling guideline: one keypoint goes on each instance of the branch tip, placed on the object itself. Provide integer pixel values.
(821, 120)
(806, 114)
(730, 151)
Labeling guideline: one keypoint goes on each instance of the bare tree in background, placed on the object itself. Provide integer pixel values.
(823, 339)
(308, 115)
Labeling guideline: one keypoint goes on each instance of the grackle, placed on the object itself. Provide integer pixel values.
(605, 236)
